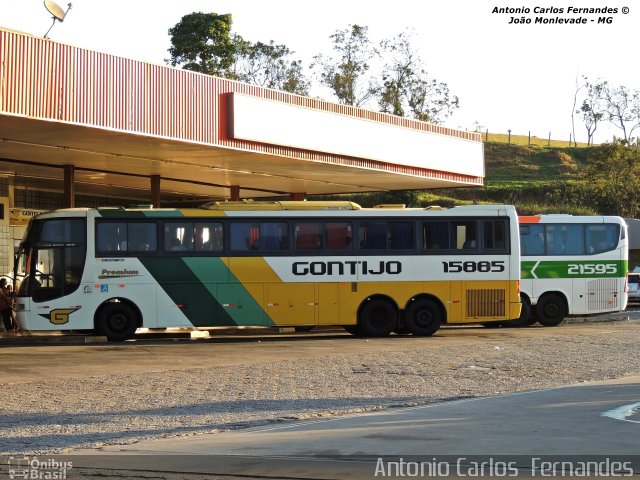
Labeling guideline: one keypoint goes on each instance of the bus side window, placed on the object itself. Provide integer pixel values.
(209, 237)
(435, 236)
(142, 237)
(465, 235)
(494, 235)
(554, 239)
(402, 235)
(111, 237)
(574, 240)
(308, 236)
(384, 235)
(532, 239)
(178, 237)
(274, 236)
(373, 235)
(244, 236)
(601, 238)
(264, 236)
(338, 235)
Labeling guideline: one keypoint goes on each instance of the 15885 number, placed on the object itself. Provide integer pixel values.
(470, 266)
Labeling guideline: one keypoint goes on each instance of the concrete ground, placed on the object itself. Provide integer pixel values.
(27, 357)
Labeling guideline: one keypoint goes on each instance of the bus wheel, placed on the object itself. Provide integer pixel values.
(401, 329)
(532, 318)
(353, 330)
(117, 321)
(525, 316)
(423, 317)
(377, 318)
(551, 310)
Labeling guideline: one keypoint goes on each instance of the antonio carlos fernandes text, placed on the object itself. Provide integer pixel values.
(539, 467)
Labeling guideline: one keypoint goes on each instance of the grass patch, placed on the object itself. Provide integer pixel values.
(536, 179)
(525, 140)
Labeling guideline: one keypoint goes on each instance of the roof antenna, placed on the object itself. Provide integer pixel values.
(58, 14)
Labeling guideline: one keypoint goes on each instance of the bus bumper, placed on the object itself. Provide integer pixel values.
(514, 310)
(22, 310)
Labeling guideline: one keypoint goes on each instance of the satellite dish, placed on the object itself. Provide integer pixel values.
(56, 11)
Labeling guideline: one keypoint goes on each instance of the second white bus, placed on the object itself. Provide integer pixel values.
(572, 265)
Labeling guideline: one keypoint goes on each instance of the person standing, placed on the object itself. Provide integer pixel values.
(6, 303)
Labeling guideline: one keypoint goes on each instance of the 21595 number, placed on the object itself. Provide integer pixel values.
(591, 268)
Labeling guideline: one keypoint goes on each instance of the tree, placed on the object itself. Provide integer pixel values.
(429, 100)
(574, 111)
(202, 42)
(295, 81)
(591, 109)
(346, 75)
(407, 89)
(267, 65)
(613, 171)
(622, 107)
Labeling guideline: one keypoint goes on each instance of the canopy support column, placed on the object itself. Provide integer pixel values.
(155, 191)
(69, 196)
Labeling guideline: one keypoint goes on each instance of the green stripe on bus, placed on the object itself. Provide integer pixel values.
(573, 269)
(162, 214)
(238, 303)
(186, 290)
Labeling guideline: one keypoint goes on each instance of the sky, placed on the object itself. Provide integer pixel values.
(520, 77)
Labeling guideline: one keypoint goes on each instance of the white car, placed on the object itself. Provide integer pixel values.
(633, 287)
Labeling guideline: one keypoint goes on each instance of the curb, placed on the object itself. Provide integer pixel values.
(29, 339)
(606, 318)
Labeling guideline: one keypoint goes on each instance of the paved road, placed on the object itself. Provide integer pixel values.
(571, 424)
(563, 421)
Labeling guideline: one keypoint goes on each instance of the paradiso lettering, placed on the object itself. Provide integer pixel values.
(350, 267)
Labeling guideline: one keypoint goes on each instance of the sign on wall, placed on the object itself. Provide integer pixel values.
(19, 217)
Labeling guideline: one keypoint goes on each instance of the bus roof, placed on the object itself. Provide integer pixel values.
(282, 205)
(283, 209)
(567, 218)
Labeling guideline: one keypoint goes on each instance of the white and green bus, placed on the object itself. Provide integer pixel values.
(572, 265)
(371, 270)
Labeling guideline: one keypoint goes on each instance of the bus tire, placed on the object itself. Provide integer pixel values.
(551, 310)
(377, 318)
(525, 315)
(117, 321)
(533, 319)
(353, 330)
(401, 329)
(423, 317)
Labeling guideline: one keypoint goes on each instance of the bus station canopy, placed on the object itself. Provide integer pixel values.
(119, 122)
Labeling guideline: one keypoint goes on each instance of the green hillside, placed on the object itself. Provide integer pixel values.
(536, 179)
(542, 179)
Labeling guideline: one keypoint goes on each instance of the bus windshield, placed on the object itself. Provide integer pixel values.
(51, 259)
